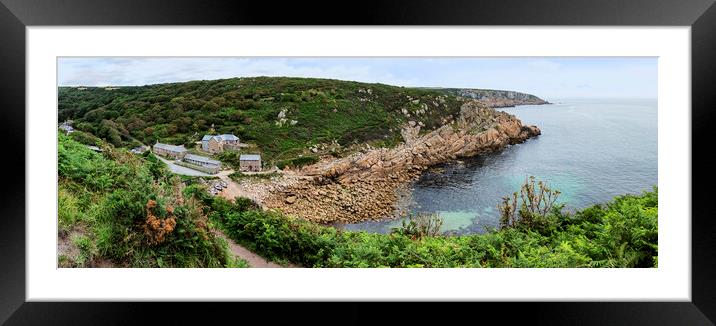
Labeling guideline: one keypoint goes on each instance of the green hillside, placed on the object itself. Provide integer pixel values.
(282, 116)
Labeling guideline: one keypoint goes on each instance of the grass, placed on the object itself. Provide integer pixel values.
(297, 162)
(190, 179)
(87, 250)
(238, 263)
(197, 151)
(237, 176)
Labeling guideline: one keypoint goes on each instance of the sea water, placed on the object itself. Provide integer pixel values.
(590, 149)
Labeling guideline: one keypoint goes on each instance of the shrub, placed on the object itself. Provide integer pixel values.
(85, 138)
(68, 212)
(536, 201)
(297, 162)
(237, 262)
(156, 229)
(420, 225)
(237, 176)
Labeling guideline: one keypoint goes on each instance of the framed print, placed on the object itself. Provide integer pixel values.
(496, 152)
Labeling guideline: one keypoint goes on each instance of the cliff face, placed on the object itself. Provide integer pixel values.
(497, 98)
(477, 130)
(362, 186)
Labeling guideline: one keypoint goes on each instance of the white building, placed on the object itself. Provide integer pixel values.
(213, 166)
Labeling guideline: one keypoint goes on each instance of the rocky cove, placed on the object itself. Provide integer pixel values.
(364, 186)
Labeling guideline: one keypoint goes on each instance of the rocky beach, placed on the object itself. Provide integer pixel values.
(363, 186)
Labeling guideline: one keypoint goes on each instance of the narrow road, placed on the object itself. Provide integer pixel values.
(253, 259)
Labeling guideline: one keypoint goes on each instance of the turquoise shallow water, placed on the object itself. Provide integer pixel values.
(590, 149)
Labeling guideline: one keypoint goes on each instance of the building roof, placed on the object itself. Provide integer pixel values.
(229, 137)
(202, 159)
(172, 148)
(220, 137)
(250, 157)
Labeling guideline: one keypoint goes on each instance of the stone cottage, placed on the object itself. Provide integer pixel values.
(219, 143)
(170, 151)
(250, 163)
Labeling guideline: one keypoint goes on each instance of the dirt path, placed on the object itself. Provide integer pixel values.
(253, 259)
(256, 192)
(234, 189)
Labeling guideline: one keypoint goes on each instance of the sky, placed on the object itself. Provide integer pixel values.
(546, 77)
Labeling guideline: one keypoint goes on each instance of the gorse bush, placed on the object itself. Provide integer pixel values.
(156, 229)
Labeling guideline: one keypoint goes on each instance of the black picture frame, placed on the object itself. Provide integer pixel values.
(16, 15)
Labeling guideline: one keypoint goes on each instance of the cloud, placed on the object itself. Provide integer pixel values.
(551, 77)
(543, 64)
(141, 71)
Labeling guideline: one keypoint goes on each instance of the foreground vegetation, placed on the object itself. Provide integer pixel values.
(119, 209)
(621, 233)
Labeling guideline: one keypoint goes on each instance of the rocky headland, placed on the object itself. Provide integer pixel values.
(497, 98)
(363, 186)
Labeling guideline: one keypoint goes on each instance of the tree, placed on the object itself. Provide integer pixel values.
(182, 124)
(210, 106)
(108, 131)
(95, 115)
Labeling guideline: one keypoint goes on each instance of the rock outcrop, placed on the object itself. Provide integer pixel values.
(362, 186)
(477, 130)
